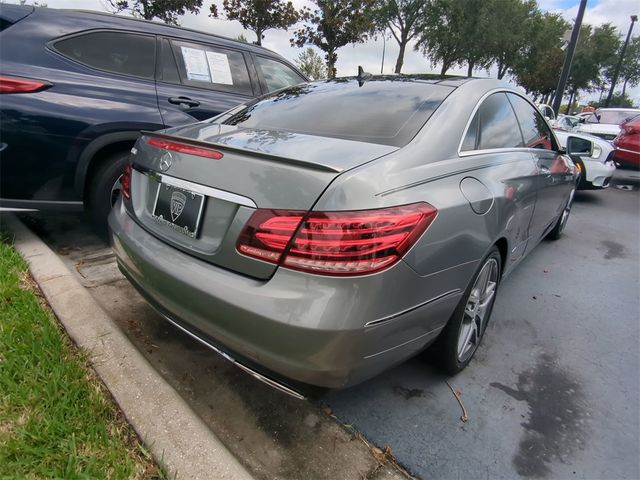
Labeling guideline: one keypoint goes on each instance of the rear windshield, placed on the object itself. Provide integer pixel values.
(615, 117)
(388, 112)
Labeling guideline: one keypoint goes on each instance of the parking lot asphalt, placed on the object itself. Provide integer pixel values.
(553, 392)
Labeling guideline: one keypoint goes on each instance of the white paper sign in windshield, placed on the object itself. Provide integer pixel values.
(195, 62)
(220, 68)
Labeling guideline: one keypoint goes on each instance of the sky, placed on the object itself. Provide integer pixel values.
(369, 54)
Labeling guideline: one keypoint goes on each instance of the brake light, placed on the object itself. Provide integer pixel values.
(185, 148)
(335, 243)
(21, 85)
(125, 182)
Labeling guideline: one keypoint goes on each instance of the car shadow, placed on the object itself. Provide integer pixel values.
(587, 197)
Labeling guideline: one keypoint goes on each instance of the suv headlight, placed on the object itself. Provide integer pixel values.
(597, 151)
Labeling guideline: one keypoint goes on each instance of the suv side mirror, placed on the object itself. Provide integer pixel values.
(579, 146)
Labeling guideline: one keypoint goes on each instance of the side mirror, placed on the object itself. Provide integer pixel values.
(579, 146)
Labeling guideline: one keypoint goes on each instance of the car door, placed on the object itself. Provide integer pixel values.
(494, 141)
(197, 81)
(555, 175)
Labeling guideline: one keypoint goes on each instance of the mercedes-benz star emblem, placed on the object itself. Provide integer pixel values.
(165, 161)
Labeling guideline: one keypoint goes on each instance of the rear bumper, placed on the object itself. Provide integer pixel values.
(627, 158)
(294, 328)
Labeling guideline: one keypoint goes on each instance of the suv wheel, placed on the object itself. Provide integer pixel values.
(104, 189)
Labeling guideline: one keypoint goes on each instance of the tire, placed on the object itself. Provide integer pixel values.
(103, 189)
(451, 352)
(558, 228)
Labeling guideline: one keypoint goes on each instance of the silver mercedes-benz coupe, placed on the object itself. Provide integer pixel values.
(329, 231)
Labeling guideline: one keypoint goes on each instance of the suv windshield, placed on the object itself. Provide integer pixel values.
(389, 112)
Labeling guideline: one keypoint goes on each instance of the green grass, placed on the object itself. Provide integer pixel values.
(56, 418)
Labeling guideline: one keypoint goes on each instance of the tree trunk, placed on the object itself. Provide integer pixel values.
(624, 87)
(470, 69)
(501, 69)
(400, 60)
(443, 70)
(259, 35)
(332, 58)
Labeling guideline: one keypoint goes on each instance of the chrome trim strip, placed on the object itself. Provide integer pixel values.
(624, 150)
(410, 309)
(272, 383)
(196, 187)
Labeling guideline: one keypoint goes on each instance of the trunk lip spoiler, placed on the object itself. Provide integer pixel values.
(256, 153)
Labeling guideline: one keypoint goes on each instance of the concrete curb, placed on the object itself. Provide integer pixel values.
(174, 434)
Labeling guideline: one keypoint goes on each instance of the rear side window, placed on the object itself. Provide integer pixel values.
(117, 52)
(535, 131)
(210, 67)
(277, 75)
(494, 126)
(384, 112)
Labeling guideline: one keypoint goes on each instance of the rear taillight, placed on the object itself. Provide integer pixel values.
(125, 182)
(21, 85)
(335, 243)
(185, 148)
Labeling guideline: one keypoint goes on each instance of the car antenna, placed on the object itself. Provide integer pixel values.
(362, 76)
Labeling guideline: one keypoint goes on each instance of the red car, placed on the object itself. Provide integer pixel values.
(627, 144)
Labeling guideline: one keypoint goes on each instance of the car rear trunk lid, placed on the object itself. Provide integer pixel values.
(214, 198)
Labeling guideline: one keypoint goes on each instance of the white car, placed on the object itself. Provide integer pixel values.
(596, 168)
(605, 122)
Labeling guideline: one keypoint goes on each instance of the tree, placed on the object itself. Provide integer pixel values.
(440, 33)
(456, 32)
(334, 24)
(595, 51)
(311, 64)
(630, 68)
(166, 10)
(513, 23)
(259, 15)
(401, 18)
(242, 38)
(538, 67)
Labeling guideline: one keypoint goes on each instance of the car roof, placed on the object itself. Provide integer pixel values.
(110, 20)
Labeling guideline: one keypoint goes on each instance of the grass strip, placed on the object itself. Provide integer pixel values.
(57, 420)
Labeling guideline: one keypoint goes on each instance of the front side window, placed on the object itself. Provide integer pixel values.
(495, 126)
(117, 52)
(535, 131)
(277, 75)
(210, 67)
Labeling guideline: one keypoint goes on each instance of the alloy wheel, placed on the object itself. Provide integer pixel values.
(477, 310)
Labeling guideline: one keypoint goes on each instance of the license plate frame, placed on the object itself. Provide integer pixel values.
(178, 208)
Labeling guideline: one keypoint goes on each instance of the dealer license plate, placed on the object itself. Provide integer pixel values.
(178, 209)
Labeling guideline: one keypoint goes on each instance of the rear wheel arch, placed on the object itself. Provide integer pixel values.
(99, 150)
(503, 248)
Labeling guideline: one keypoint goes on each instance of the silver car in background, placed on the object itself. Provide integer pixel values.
(329, 231)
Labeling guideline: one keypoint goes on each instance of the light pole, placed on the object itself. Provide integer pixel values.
(566, 68)
(634, 19)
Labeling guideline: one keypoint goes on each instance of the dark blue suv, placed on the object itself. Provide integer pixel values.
(77, 87)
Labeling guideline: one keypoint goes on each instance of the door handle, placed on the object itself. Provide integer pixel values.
(184, 101)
